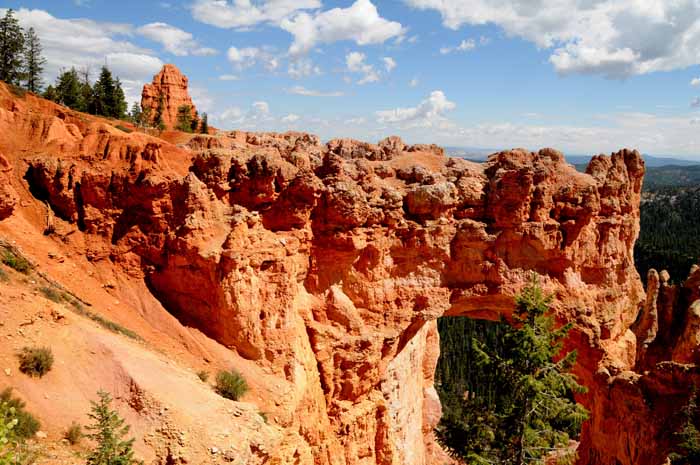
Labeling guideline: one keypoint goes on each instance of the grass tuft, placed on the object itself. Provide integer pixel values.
(231, 384)
(74, 433)
(16, 262)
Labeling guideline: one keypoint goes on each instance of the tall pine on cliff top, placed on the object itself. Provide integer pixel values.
(33, 61)
(11, 48)
(531, 413)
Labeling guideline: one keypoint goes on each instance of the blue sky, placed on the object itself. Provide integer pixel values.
(584, 77)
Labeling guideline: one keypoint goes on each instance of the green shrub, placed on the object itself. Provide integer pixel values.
(231, 385)
(123, 128)
(35, 361)
(27, 425)
(16, 262)
(51, 294)
(105, 323)
(203, 375)
(109, 434)
(74, 433)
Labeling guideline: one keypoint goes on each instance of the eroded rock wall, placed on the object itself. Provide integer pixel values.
(328, 265)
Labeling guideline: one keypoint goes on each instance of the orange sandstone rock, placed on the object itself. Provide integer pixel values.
(166, 94)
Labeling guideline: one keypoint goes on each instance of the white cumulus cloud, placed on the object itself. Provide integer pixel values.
(300, 90)
(303, 67)
(464, 46)
(355, 62)
(174, 40)
(614, 38)
(249, 56)
(427, 113)
(389, 64)
(360, 22)
(238, 14)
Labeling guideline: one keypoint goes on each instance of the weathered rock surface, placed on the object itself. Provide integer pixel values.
(328, 265)
(168, 92)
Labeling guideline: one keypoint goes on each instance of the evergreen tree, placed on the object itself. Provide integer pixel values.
(195, 122)
(136, 114)
(108, 431)
(33, 61)
(118, 103)
(204, 127)
(11, 48)
(51, 94)
(688, 449)
(184, 118)
(103, 94)
(146, 119)
(85, 88)
(531, 412)
(158, 118)
(69, 91)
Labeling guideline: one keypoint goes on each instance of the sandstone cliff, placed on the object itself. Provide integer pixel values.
(323, 269)
(166, 94)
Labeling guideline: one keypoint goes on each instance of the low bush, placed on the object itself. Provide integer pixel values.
(231, 385)
(27, 425)
(203, 375)
(74, 433)
(51, 294)
(35, 361)
(16, 262)
(123, 128)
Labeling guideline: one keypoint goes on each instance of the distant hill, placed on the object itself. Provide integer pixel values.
(481, 154)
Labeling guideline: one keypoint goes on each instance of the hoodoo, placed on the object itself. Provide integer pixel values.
(165, 95)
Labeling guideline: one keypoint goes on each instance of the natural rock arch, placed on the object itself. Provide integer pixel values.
(330, 264)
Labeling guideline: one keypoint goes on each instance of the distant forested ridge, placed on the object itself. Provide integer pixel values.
(669, 237)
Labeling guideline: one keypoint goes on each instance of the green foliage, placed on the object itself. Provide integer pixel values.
(8, 441)
(11, 48)
(231, 385)
(33, 61)
(102, 321)
(109, 431)
(108, 97)
(688, 449)
(35, 361)
(184, 118)
(123, 128)
(51, 294)
(26, 425)
(520, 407)
(69, 91)
(204, 126)
(74, 433)
(15, 261)
(203, 375)
(668, 238)
(136, 115)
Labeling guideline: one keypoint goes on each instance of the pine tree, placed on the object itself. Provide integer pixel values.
(108, 431)
(85, 88)
(33, 61)
(51, 94)
(146, 120)
(69, 91)
(204, 127)
(531, 413)
(184, 118)
(11, 48)
(194, 125)
(158, 118)
(118, 101)
(136, 114)
(688, 449)
(103, 94)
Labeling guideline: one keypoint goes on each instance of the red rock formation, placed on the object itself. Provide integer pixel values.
(8, 197)
(328, 266)
(166, 94)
